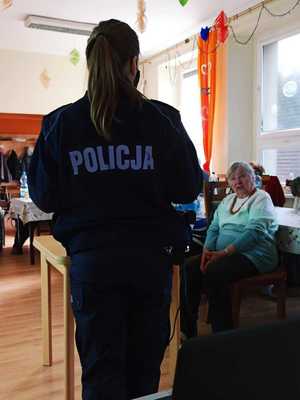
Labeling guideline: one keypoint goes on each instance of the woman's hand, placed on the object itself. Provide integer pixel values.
(206, 256)
(215, 255)
(209, 256)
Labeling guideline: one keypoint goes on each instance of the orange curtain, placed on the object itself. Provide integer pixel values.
(207, 59)
(220, 145)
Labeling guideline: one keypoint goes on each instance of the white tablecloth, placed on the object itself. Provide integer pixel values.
(288, 235)
(27, 211)
(160, 395)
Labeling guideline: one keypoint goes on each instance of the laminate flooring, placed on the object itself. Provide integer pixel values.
(22, 376)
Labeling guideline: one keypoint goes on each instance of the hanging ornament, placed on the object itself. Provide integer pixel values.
(204, 33)
(5, 4)
(74, 57)
(183, 2)
(45, 79)
(221, 25)
(141, 16)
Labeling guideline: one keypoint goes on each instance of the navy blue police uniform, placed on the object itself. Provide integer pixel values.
(113, 212)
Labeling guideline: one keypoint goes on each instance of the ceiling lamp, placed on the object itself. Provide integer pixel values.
(59, 25)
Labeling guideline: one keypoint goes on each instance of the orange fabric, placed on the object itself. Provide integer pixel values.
(219, 156)
(207, 57)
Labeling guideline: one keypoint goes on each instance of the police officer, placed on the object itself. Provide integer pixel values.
(109, 166)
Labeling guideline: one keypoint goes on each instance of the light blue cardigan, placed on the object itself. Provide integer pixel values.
(251, 230)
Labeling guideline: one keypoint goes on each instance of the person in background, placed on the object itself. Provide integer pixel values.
(110, 166)
(259, 172)
(240, 242)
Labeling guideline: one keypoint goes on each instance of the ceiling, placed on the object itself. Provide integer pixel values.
(168, 22)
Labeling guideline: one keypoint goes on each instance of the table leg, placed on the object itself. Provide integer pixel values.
(69, 341)
(46, 312)
(31, 228)
(175, 343)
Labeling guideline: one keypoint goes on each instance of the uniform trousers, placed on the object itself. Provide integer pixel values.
(121, 299)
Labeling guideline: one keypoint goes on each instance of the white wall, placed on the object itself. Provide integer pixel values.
(21, 88)
(240, 102)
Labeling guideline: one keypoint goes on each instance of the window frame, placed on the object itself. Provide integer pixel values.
(189, 67)
(277, 139)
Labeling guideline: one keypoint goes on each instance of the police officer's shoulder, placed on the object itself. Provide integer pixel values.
(51, 120)
(166, 109)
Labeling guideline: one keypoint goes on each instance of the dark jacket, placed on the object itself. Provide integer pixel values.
(119, 192)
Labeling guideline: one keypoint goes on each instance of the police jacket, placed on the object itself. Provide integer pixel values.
(118, 192)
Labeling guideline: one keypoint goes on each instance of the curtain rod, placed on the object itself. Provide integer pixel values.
(191, 38)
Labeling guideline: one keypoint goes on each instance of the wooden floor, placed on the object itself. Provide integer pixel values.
(22, 376)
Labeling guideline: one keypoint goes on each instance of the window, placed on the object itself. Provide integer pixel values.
(190, 110)
(279, 128)
(281, 85)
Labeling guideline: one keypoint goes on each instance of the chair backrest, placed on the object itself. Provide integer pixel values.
(214, 193)
(272, 185)
(4, 198)
(257, 363)
(265, 180)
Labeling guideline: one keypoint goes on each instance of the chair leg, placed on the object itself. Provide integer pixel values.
(281, 300)
(205, 312)
(236, 299)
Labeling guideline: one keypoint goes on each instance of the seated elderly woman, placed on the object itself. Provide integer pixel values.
(240, 242)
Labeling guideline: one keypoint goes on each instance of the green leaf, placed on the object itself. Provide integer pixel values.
(183, 2)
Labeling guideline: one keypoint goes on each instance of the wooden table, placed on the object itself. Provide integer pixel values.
(53, 254)
(25, 211)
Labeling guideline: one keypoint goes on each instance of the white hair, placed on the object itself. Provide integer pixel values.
(244, 166)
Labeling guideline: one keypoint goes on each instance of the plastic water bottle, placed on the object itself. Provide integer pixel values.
(213, 177)
(23, 186)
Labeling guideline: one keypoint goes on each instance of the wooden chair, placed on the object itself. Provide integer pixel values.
(214, 192)
(265, 179)
(11, 188)
(4, 207)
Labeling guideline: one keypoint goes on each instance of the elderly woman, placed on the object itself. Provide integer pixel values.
(240, 242)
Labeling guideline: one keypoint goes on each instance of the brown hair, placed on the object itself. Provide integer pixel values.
(258, 168)
(110, 47)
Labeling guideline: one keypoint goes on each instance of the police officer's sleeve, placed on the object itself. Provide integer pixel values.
(43, 174)
(184, 178)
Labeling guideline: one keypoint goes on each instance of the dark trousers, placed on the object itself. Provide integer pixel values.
(217, 279)
(216, 283)
(121, 302)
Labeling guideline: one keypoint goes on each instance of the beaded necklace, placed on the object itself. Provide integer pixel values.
(235, 200)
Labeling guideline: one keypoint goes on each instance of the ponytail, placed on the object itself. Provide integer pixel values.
(111, 45)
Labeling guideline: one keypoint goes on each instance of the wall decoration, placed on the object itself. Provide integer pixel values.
(207, 59)
(5, 4)
(74, 57)
(141, 16)
(45, 79)
(204, 33)
(183, 2)
(221, 26)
